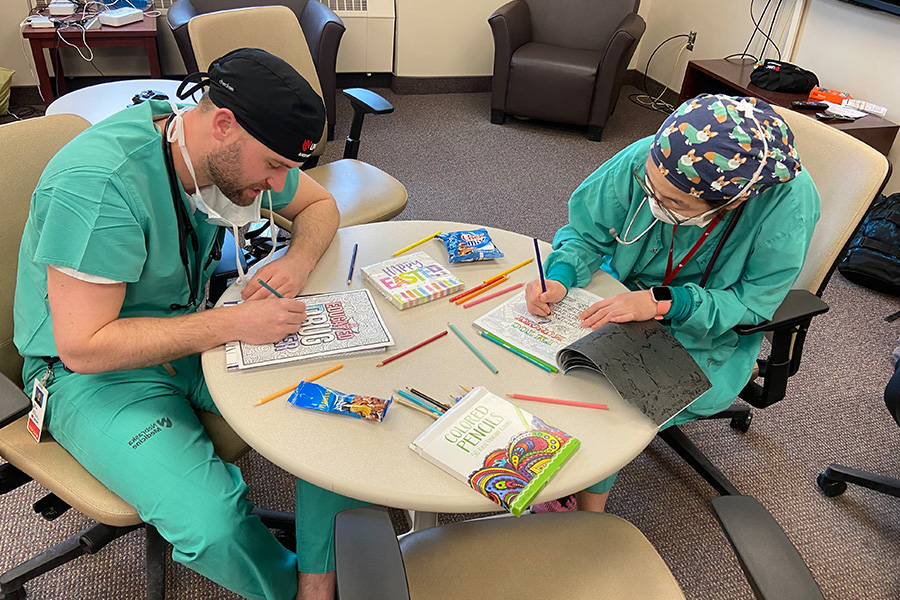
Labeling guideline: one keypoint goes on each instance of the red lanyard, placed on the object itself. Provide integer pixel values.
(670, 272)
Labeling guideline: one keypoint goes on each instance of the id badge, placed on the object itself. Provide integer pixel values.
(39, 396)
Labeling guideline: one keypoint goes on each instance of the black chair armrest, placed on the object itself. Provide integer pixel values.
(771, 563)
(797, 308)
(13, 402)
(615, 61)
(511, 28)
(323, 31)
(367, 557)
(364, 102)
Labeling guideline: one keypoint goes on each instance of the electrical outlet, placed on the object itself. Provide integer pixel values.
(692, 37)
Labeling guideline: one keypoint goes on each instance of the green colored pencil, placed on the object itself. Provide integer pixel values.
(473, 348)
(518, 352)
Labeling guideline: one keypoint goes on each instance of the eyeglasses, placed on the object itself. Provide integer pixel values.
(649, 193)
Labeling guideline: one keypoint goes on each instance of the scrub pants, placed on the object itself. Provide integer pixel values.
(137, 432)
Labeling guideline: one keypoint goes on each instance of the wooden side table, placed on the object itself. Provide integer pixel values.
(141, 33)
(732, 77)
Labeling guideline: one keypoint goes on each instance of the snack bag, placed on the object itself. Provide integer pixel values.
(465, 246)
(318, 397)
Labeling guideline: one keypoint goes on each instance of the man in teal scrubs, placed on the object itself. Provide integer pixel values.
(653, 217)
(122, 236)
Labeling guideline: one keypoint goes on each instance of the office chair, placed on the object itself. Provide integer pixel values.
(846, 195)
(562, 60)
(552, 555)
(834, 479)
(364, 194)
(27, 147)
(321, 27)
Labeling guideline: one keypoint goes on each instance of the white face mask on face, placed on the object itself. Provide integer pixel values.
(673, 218)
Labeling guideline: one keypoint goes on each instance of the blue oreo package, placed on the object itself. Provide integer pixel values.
(466, 246)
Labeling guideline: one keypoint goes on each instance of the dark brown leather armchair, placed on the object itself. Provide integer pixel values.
(562, 60)
(321, 27)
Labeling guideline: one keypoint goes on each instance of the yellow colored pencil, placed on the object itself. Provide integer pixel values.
(414, 244)
(291, 388)
(511, 269)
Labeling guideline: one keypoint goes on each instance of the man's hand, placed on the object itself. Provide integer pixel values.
(267, 321)
(539, 302)
(621, 308)
(286, 275)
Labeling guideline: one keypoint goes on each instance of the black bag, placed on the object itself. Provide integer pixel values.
(780, 76)
(874, 256)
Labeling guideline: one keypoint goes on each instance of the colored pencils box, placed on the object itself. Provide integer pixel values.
(411, 280)
(498, 449)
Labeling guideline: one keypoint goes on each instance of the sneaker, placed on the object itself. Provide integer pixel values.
(566, 504)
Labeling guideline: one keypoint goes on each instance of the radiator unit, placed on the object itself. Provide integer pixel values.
(368, 43)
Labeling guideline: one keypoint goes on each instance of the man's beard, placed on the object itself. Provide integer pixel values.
(225, 172)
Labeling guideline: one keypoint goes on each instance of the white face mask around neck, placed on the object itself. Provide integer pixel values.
(218, 208)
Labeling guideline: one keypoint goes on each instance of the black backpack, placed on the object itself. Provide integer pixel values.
(873, 259)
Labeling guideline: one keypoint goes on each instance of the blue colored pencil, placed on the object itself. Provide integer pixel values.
(537, 254)
(352, 263)
(418, 402)
(473, 348)
(269, 287)
(515, 351)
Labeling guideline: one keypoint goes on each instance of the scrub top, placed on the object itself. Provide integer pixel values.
(104, 206)
(754, 271)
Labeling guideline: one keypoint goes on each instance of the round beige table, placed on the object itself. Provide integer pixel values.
(96, 102)
(372, 461)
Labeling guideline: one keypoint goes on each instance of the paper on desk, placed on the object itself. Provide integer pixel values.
(845, 111)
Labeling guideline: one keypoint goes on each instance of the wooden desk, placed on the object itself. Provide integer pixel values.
(141, 33)
(732, 77)
(372, 461)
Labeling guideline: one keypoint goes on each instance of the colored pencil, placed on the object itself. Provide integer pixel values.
(557, 401)
(418, 402)
(439, 405)
(269, 287)
(481, 290)
(414, 244)
(510, 270)
(490, 296)
(271, 397)
(474, 289)
(473, 348)
(550, 367)
(516, 351)
(407, 404)
(465, 389)
(352, 263)
(408, 350)
(537, 253)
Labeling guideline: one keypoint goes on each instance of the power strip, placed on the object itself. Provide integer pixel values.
(40, 22)
(120, 16)
(61, 8)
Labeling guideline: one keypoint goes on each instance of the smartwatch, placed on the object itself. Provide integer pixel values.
(663, 297)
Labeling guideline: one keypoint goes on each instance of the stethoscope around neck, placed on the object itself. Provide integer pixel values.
(185, 228)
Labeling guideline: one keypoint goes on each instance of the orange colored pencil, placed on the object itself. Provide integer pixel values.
(557, 401)
(474, 289)
(483, 289)
(408, 350)
(494, 295)
(291, 388)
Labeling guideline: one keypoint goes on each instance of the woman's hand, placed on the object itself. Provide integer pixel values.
(621, 308)
(539, 302)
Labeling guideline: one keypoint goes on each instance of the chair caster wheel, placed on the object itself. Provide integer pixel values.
(18, 594)
(830, 487)
(742, 423)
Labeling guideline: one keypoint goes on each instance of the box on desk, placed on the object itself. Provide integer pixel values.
(818, 94)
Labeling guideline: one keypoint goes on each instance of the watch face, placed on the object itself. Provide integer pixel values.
(661, 294)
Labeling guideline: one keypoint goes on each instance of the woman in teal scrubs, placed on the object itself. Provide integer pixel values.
(654, 217)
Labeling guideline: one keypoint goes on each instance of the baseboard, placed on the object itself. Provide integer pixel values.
(415, 85)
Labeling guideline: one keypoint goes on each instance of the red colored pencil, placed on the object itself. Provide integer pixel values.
(481, 289)
(494, 295)
(475, 289)
(408, 350)
(557, 401)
